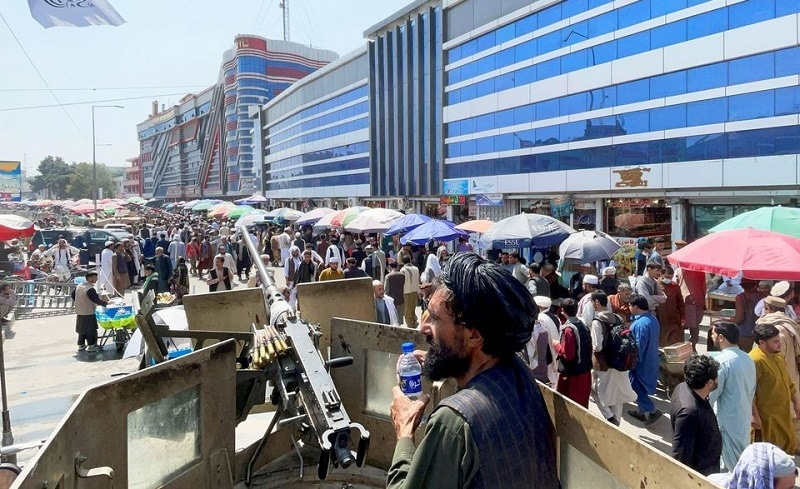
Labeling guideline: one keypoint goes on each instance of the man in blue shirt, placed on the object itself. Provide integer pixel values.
(644, 377)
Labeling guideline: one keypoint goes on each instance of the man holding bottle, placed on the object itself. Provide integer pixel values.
(480, 316)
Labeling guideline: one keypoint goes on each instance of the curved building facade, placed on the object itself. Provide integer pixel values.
(204, 146)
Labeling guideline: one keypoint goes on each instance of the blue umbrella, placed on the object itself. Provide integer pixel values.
(438, 229)
(524, 230)
(407, 223)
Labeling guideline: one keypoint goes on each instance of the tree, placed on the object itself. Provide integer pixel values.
(54, 175)
(80, 184)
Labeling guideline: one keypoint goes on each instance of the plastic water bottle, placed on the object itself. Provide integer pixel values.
(410, 371)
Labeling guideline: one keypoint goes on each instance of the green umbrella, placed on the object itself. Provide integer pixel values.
(203, 205)
(784, 220)
(239, 211)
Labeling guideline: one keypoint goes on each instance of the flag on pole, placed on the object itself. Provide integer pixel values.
(74, 13)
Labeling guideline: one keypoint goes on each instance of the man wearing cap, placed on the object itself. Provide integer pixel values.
(783, 290)
(480, 317)
(586, 310)
(285, 242)
(609, 283)
(333, 272)
(774, 391)
(548, 321)
(106, 279)
(762, 465)
(86, 298)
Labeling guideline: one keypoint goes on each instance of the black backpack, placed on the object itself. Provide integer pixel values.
(619, 346)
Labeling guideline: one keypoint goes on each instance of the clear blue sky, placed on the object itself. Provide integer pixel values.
(175, 45)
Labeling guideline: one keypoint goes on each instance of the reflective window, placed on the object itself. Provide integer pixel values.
(634, 13)
(573, 7)
(548, 42)
(602, 24)
(706, 77)
(525, 25)
(548, 16)
(787, 101)
(525, 51)
(706, 24)
(659, 8)
(635, 91)
(547, 109)
(548, 69)
(634, 44)
(751, 68)
(706, 112)
(668, 34)
(505, 33)
(787, 62)
(635, 122)
(746, 13)
(668, 85)
(751, 105)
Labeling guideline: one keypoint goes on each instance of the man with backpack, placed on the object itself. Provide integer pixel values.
(574, 353)
(615, 353)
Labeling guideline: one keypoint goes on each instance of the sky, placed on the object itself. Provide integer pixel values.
(167, 48)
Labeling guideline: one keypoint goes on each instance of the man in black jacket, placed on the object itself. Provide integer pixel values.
(696, 440)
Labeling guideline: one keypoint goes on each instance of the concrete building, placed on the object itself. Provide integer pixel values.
(132, 184)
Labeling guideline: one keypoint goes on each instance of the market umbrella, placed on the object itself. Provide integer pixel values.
(191, 203)
(476, 226)
(203, 205)
(239, 211)
(335, 219)
(757, 254)
(524, 230)
(588, 246)
(256, 216)
(285, 214)
(253, 199)
(84, 208)
(367, 224)
(407, 223)
(221, 210)
(13, 226)
(784, 220)
(314, 215)
(135, 199)
(438, 229)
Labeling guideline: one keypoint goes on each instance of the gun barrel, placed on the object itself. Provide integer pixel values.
(275, 302)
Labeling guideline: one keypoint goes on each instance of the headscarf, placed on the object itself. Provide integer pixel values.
(759, 464)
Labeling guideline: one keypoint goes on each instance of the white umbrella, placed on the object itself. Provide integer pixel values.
(366, 224)
(588, 246)
(525, 230)
(382, 215)
(314, 215)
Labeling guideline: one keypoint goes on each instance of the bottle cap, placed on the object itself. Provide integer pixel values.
(408, 347)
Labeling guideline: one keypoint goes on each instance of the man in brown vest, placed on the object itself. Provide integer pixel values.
(85, 297)
(290, 267)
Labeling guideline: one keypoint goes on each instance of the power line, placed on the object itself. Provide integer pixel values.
(98, 89)
(55, 97)
(87, 102)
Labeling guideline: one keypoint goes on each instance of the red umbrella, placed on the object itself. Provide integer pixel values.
(13, 226)
(759, 255)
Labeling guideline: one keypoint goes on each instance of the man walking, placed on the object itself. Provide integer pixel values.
(611, 388)
(333, 272)
(473, 438)
(86, 298)
(537, 285)
(644, 376)
(671, 314)
(774, 391)
(648, 287)
(733, 398)
(696, 440)
(163, 266)
(574, 352)
(394, 283)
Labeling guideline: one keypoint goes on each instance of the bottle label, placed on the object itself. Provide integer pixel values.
(411, 384)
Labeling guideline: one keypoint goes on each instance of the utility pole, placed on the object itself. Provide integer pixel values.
(284, 5)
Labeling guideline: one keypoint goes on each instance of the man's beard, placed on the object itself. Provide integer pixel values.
(443, 362)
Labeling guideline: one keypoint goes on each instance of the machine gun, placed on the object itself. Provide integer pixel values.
(287, 350)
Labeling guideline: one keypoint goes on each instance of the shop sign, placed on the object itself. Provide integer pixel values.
(489, 199)
(632, 202)
(174, 191)
(453, 199)
(630, 177)
(561, 206)
(456, 187)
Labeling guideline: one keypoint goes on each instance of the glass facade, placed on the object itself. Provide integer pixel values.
(703, 103)
(294, 159)
(405, 102)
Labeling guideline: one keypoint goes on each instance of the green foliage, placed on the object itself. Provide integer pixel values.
(62, 181)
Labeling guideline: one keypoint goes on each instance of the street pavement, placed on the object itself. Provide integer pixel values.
(45, 374)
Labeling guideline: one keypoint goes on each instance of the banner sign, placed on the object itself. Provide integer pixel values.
(456, 187)
(561, 206)
(10, 181)
(489, 199)
(453, 199)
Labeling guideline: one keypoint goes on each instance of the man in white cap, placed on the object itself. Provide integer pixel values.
(106, 280)
(333, 272)
(585, 308)
(783, 290)
(548, 321)
(285, 241)
(385, 311)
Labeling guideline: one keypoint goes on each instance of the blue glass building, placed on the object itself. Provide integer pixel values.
(638, 117)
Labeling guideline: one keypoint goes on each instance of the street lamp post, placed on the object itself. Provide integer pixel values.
(94, 156)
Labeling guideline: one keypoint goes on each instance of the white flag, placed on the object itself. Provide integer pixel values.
(74, 13)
